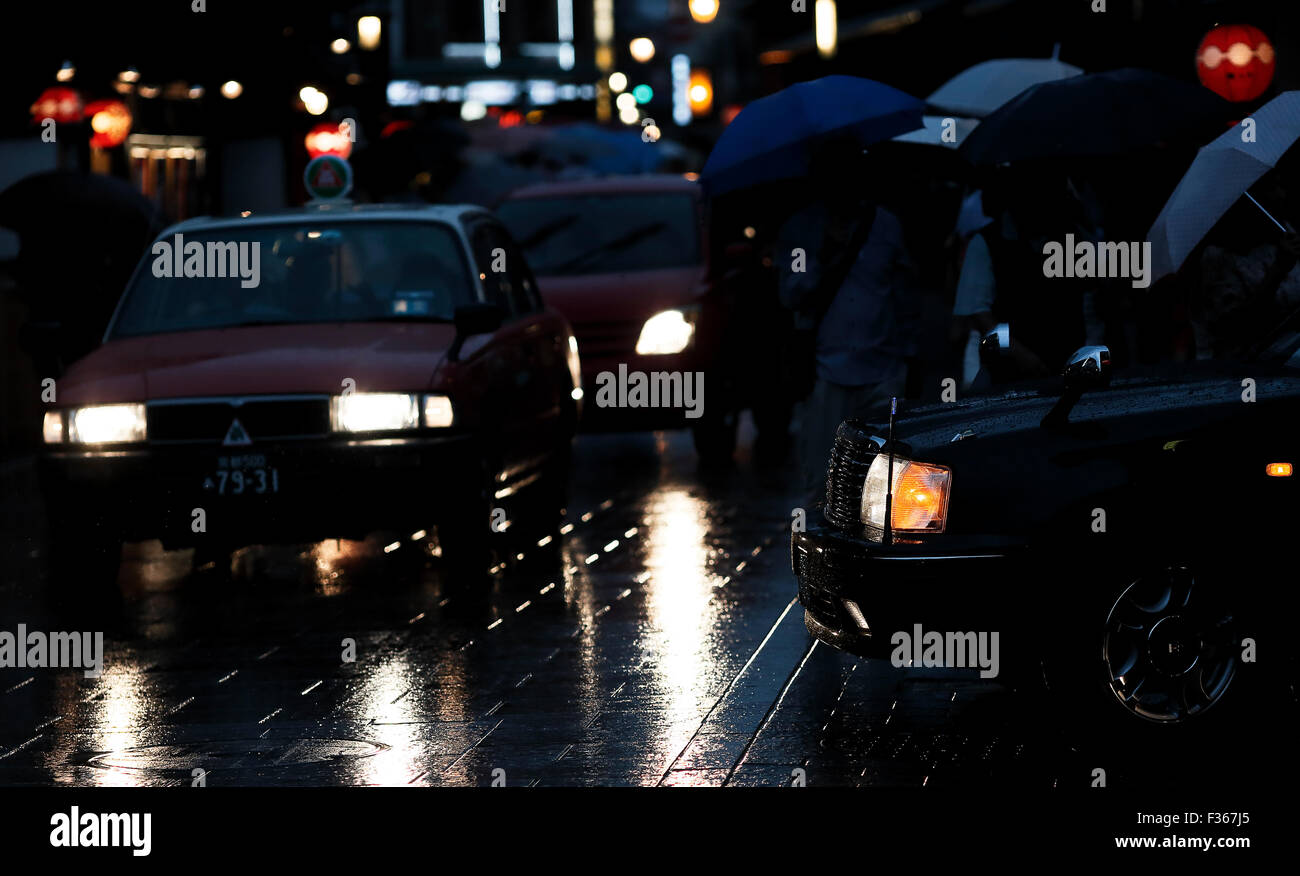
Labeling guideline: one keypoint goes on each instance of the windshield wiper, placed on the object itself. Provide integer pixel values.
(622, 242)
(547, 231)
(403, 317)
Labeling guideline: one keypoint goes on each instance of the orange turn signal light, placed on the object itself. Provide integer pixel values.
(1279, 469)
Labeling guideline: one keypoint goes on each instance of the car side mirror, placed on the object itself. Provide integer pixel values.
(1088, 369)
(995, 353)
(474, 319)
(996, 344)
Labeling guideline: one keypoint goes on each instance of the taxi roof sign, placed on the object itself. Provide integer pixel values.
(327, 178)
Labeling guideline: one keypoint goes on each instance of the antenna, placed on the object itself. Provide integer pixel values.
(887, 536)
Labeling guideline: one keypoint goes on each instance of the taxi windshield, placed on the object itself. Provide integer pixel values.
(297, 273)
(602, 234)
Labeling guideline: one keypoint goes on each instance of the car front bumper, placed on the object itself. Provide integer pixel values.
(329, 488)
(857, 593)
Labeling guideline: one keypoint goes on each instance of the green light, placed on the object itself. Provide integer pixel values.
(643, 93)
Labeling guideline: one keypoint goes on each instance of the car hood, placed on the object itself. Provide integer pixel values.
(630, 296)
(252, 360)
(1187, 389)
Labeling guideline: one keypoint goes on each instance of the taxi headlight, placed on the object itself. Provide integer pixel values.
(374, 412)
(106, 424)
(438, 413)
(920, 501)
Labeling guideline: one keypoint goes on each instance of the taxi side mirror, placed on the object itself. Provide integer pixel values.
(474, 319)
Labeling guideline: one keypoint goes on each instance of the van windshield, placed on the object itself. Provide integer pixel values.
(604, 234)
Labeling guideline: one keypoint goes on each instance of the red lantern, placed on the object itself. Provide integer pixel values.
(1236, 62)
(59, 103)
(329, 139)
(110, 122)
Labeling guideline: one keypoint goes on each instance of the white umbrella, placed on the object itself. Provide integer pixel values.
(932, 133)
(1220, 175)
(978, 91)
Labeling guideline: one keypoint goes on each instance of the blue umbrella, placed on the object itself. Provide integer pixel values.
(769, 140)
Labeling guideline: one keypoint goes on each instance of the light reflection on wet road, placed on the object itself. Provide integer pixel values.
(662, 646)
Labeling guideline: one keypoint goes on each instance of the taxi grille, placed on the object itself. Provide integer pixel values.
(209, 420)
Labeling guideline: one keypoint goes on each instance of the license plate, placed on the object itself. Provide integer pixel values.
(247, 475)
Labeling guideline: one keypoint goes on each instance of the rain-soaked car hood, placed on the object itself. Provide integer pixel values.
(1010, 475)
(930, 428)
(309, 358)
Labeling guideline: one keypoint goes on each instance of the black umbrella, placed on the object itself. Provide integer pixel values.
(60, 198)
(1098, 114)
(80, 237)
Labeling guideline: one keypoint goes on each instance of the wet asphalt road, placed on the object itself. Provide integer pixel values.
(664, 646)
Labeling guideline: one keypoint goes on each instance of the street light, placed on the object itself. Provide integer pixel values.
(369, 30)
(230, 89)
(617, 82)
(704, 11)
(340, 46)
(66, 72)
(642, 49)
(315, 100)
(827, 29)
(700, 93)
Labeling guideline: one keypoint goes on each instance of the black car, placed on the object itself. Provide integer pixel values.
(1128, 540)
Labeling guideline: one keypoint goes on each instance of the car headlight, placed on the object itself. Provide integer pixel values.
(665, 333)
(374, 412)
(105, 424)
(920, 500)
(438, 413)
(52, 427)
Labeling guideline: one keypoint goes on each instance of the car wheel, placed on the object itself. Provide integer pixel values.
(1158, 672)
(464, 529)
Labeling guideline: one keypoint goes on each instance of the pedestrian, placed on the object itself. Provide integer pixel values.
(844, 271)
(1002, 278)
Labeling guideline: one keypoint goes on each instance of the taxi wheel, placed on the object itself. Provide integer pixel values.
(464, 529)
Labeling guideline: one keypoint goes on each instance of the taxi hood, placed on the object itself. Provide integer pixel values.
(259, 360)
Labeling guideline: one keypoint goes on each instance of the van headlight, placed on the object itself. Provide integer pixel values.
(374, 412)
(920, 501)
(666, 333)
(105, 424)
